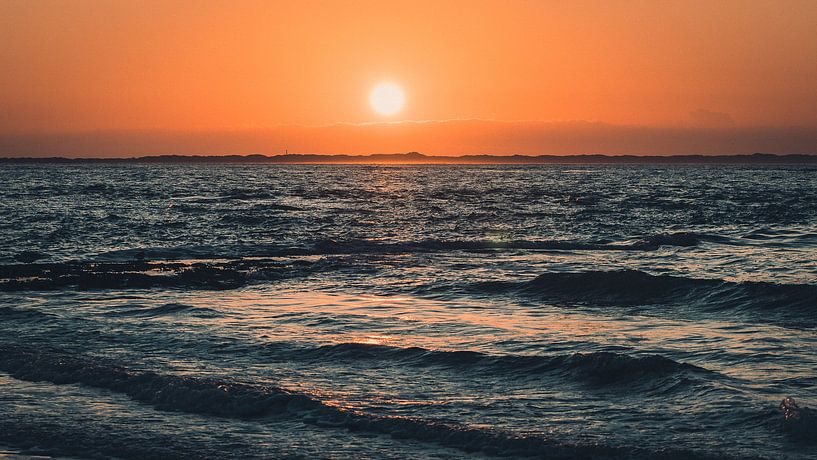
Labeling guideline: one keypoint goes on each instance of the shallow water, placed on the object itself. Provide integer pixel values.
(423, 312)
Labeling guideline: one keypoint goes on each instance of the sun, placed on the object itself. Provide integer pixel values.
(387, 98)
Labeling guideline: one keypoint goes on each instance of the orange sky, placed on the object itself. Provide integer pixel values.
(256, 76)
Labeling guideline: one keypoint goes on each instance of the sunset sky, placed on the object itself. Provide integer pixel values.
(108, 78)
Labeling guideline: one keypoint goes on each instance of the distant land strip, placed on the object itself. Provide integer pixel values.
(419, 158)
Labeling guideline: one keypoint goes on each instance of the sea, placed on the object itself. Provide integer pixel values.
(428, 311)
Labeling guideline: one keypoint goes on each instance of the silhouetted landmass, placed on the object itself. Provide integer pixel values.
(419, 158)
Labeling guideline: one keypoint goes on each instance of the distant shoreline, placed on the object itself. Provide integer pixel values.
(419, 158)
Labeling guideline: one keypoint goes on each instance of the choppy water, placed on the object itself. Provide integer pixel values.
(422, 312)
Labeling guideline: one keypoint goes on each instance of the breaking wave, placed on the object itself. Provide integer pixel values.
(632, 287)
(597, 368)
(226, 398)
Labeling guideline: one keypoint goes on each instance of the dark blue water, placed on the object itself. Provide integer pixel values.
(216, 311)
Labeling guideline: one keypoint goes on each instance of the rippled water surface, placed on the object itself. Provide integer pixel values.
(251, 311)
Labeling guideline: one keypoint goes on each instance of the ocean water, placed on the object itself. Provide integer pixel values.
(269, 311)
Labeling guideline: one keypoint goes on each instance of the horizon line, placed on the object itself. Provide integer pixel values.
(420, 158)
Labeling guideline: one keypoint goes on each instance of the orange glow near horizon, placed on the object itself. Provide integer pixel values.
(223, 67)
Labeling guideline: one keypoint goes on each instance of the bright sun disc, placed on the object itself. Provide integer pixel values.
(387, 98)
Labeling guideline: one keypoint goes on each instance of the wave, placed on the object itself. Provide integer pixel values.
(653, 242)
(226, 398)
(136, 275)
(682, 239)
(365, 246)
(199, 252)
(46, 438)
(28, 257)
(141, 274)
(188, 394)
(265, 198)
(169, 309)
(596, 368)
(636, 288)
(22, 314)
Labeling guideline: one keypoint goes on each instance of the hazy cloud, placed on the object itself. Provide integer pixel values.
(711, 119)
(446, 137)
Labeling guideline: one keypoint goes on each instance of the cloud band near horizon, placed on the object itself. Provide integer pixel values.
(444, 137)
